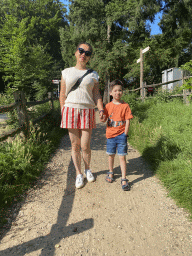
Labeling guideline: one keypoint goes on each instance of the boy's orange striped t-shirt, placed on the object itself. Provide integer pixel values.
(116, 115)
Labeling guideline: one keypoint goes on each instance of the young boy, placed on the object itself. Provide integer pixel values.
(118, 115)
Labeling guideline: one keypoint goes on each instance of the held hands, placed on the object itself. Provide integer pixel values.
(102, 116)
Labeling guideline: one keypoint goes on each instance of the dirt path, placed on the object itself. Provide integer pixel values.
(99, 219)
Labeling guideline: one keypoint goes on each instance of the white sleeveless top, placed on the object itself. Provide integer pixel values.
(82, 97)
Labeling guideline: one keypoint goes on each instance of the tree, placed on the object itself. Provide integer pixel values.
(30, 44)
(170, 49)
(46, 17)
(176, 25)
(91, 21)
(187, 68)
(24, 64)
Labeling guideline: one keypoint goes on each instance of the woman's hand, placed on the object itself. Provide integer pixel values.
(102, 116)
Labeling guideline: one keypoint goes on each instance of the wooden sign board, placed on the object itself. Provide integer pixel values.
(143, 51)
(146, 49)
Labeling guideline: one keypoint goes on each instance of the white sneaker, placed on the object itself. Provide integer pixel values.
(79, 181)
(89, 175)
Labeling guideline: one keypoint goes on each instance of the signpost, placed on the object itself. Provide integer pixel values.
(56, 82)
(142, 51)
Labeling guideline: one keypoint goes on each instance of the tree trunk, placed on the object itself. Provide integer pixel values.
(106, 96)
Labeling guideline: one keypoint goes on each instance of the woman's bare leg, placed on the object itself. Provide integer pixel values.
(85, 146)
(75, 138)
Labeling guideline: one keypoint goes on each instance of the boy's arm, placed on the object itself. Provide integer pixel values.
(127, 124)
(105, 116)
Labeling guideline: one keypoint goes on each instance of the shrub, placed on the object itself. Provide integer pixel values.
(22, 161)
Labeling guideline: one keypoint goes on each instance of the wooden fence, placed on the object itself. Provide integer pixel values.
(144, 87)
(21, 105)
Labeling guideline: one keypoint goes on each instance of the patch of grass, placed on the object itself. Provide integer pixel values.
(161, 131)
(22, 161)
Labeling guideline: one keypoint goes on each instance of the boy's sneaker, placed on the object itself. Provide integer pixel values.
(79, 181)
(89, 175)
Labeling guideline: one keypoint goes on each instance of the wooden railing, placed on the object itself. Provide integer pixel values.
(144, 87)
(21, 105)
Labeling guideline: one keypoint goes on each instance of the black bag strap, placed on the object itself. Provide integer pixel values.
(75, 86)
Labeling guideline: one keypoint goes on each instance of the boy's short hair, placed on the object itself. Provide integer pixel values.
(115, 82)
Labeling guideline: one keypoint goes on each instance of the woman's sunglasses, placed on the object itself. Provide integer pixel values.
(87, 53)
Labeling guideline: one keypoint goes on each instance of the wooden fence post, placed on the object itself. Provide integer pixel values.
(144, 91)
(141, 71)
(50, 96)
(185, 99)
(22, 111)
(141, 75)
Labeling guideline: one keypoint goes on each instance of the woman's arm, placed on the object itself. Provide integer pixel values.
(62, 96)
(98, 99)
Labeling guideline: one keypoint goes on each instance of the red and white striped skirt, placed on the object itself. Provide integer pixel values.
(75, 118)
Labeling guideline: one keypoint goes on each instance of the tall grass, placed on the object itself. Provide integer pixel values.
(162, 132)
(22, 161)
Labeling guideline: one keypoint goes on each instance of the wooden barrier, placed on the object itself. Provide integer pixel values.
(184, 95)
(21, 105)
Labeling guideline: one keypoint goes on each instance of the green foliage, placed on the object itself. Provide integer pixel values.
(22, 161)
(6, 99)
(170, 49)
(24, 64)
(114, 28)
(188, 82)
(131, 98)
(161, 131)
(29, 40)
(177, 30)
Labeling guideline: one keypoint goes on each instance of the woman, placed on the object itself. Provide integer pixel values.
(77, 108)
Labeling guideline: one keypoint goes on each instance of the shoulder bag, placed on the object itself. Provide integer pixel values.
(75, 86)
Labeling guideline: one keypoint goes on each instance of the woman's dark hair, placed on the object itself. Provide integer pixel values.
(115, 82)
(90, 47)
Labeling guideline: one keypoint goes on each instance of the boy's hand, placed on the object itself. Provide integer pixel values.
(103, 118)
(101, 114)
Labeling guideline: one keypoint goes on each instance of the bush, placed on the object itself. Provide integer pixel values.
(22, 161)
(161, 131)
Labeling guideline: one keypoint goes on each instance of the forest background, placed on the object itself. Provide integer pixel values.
(38, 39)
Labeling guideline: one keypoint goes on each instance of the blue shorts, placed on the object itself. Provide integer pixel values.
(120, 143)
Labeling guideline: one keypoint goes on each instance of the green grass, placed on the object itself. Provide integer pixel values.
(162, 132)
(22, 161)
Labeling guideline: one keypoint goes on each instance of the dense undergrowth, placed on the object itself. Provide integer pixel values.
(162, 132)
(23, 160)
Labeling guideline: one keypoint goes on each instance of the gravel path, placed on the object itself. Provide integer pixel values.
(3, 117)
(99, 219)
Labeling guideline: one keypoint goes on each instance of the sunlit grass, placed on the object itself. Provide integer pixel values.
(162, 132)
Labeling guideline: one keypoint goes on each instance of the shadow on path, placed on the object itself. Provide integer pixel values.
(134, 166)
(58, 231)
